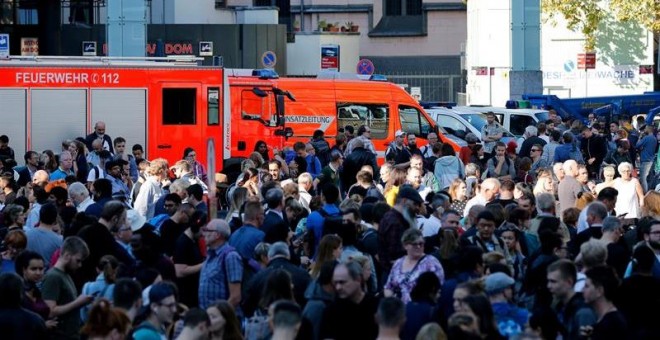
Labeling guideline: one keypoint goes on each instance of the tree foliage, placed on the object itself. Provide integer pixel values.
(581, 16)
(644, 12)
(585, 15)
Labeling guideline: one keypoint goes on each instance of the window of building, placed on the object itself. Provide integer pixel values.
(179, 106)
(403, 18)
(375, 116)
(403, 7)
(213, 106)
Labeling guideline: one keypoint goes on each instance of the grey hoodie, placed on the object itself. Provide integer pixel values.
(317, 300)
(448, 168)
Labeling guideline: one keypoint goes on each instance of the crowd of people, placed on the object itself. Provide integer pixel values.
(556, 234)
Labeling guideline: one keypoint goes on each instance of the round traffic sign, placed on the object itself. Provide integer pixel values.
(365, 66)
(269, 59)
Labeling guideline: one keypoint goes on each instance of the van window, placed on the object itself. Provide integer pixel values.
(179, 107)
(518, 123)
(412, 121)
(375, 116)
(254, 107)
(213, 106)
(452, 124)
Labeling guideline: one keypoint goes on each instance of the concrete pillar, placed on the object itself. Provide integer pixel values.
(525, 75)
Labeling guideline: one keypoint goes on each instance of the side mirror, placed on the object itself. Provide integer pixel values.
(259, 92)
(287, 132)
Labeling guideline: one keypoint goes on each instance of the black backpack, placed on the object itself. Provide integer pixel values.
(322, 150)
(332, 224)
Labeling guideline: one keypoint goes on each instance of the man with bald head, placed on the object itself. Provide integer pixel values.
(40, 178)
(99, 133)
(222, 271)
(489, 190)
(569, 187)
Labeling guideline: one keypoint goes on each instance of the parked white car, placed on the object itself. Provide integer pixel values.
(458, 121)
(514, 120)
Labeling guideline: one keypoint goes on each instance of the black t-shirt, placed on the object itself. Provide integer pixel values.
(169, 233)
(612, 326)
(639, 301)
(21, 324)
(345, 320)
(186, 251)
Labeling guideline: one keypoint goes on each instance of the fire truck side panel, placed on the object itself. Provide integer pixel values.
(56, 114)
(13, 115)
(122, 108)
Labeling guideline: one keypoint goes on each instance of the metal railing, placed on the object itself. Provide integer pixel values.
(434, 86)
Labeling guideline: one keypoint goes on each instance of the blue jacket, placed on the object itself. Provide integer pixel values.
(315, 222)
(565, 152)
(647, 146)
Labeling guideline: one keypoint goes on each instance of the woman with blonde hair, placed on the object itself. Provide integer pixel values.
(397, 179)
(151, 189)
(544, 183)
(631, 196)
(608, 173)
(458, 194)
(651, 205)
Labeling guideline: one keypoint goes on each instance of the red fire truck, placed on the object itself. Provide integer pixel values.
(168, 104)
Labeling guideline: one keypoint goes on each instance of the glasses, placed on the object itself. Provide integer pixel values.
(125, 229)
(417, 244)
(657, 232)
(535, 150)
(367, 131)
(207, 230)
(191, 155)
(169, 205)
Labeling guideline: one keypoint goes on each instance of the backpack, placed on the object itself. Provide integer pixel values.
(322, 149)
(257, 326)
(97, 171)
(332, 224)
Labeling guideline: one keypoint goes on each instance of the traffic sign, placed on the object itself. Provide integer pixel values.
(206, 48)
(365, 66)
(330, 57)
(269, 59)
(89, 48)
(4, 45)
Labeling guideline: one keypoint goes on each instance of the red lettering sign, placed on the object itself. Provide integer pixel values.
(586, 61)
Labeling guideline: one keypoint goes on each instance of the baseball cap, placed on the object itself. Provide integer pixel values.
(497, 282)
(471, 138)
(399, 133)
(135, 219)
(406, 191)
